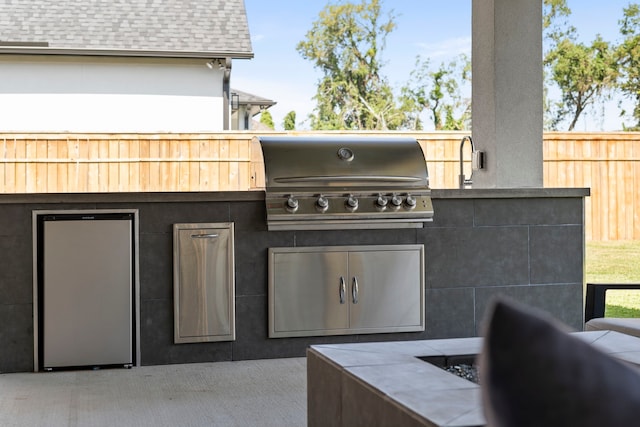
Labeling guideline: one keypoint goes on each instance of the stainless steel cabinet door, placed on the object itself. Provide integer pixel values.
(386, 289)
(204, 297)
(309, 293)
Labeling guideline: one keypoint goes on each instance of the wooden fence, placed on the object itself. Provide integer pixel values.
(608, 163)
(124, 163)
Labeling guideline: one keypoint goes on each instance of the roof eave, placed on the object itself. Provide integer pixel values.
(258, 108)
(26, 50)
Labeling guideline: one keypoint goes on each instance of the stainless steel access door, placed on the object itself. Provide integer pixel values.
(87, 291)
(339, 290)
(204, 296)
(387, 295)
(308, 293)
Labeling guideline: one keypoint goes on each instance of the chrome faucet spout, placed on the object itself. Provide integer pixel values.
(461, 178)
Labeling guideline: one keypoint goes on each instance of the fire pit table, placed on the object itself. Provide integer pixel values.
(389, 383)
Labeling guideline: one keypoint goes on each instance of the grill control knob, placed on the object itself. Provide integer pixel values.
(410, 201)
(322, 203)
(396, 201)
(352, 203)
(292, 204)
(382, 201)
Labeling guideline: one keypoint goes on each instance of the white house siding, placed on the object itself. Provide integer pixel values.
(241, 119)
(83, 94)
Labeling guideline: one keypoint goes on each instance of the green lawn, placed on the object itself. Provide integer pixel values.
(616, 262)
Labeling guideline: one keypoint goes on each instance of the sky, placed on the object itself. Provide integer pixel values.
(435, 29)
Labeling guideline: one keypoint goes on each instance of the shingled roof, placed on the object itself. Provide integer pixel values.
(254, 102)
(165, 28)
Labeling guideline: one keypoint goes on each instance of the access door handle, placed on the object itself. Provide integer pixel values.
(343, 290)
(204, 236)
(354, 290)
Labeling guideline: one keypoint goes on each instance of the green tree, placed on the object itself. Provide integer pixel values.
(346, 43)
(554, 18)
(584, 74)
(628, 57)
(555, 27)
(266, 119)
(290, 121)
(439, 92)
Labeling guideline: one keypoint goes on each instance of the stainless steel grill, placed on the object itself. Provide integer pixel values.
(317, 183)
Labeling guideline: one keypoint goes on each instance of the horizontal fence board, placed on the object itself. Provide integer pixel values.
(607, 163)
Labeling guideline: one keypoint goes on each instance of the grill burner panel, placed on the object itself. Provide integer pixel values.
(338, 183)
(341, 206)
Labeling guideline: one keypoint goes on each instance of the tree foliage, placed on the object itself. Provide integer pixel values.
(346, 43)
(554, 18)
(439, 92)
(266, 119)
(583, 73)
(289, 122)
(347, 40)
(628, 57)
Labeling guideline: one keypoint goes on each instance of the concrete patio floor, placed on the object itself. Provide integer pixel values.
(244, 393)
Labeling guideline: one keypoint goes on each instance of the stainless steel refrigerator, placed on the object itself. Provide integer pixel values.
(86, 290)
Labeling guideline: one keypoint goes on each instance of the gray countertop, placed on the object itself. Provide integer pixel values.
(248, 196)
(508, 193)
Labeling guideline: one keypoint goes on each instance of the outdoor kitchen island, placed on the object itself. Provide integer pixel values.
(524, 243)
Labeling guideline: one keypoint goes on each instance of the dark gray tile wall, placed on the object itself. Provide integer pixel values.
(16, 266)
(556, 254)
(16, 337)
(450, 312)
(538, 211)
(531, 250)
(562, 301)
(16, 290)
(476, 256)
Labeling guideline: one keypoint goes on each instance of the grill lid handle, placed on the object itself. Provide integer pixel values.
(347, 178)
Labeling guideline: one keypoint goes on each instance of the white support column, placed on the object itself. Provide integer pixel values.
(507, 90)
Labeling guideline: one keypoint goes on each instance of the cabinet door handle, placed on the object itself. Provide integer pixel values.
(204, 236)
(343, 289)
(354, 290)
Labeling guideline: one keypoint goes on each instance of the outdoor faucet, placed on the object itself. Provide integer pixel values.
(462, 180)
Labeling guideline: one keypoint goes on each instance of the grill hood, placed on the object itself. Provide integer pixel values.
(343, 163)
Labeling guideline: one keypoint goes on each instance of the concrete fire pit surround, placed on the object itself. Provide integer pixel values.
(383, 384)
